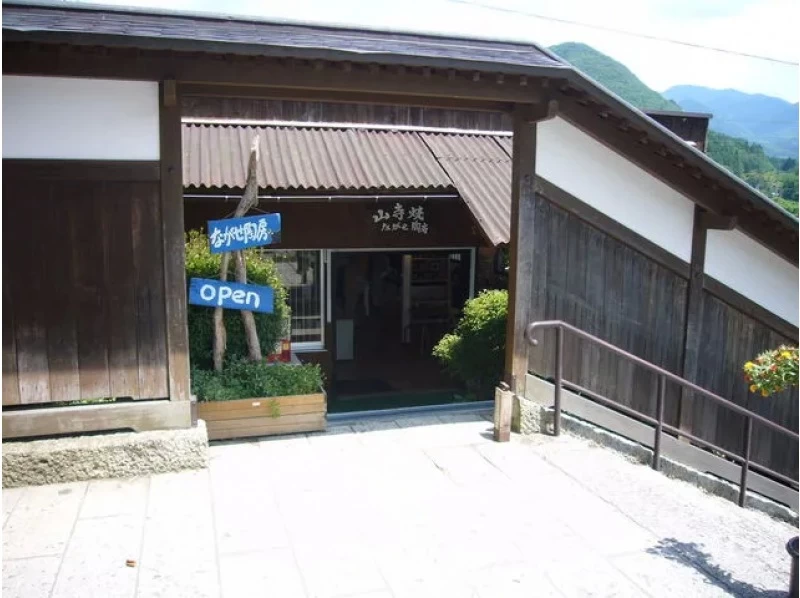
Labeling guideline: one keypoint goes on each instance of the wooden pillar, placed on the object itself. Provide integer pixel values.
(520, 278)
(173, 245)
(693, 316)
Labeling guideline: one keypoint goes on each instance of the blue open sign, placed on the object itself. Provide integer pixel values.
(231, 295)
(233, 234)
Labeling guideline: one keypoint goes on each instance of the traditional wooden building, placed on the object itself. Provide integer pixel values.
(614, 223)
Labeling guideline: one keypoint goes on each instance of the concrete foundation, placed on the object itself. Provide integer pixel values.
(531, 417)
(124, 455)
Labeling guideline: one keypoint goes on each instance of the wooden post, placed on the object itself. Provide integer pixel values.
(503, 408)
(693, 315)
(520, 279)
(173, 245)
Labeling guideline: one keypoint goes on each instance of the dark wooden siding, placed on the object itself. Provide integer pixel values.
(342, 224)
(339, 112)
(83, 286)
(729, 339)
(586, 277)
(595, 282)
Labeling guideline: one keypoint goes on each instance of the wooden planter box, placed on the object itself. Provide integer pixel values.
(257, 417)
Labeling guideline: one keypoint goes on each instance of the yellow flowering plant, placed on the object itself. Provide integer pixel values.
(772, 371)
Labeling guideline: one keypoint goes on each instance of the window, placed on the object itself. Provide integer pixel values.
(301, 273)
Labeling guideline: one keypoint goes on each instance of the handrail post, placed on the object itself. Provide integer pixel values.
(662, 383)
(558, 375)
(748, 436)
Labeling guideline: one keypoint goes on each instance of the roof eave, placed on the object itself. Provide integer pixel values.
(277, 51)
(664, 135)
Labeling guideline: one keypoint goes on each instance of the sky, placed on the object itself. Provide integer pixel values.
(761, 27)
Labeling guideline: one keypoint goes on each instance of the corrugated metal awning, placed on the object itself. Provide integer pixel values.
(310, 159)
(328, 159)
(481, 171)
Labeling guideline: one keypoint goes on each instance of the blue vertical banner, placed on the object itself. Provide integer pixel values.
(233, 234)
(231, 295)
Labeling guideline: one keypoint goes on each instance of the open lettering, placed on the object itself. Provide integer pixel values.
(248, 298)
(231, 295)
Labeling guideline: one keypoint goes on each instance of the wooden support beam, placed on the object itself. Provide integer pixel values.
(348, 97)
(534, 113)
(173, 250)
(693, 316)
(717, 221)
(520, 280)
(139, 416)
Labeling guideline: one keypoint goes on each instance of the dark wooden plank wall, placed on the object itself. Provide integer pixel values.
(306, 111)
(83, 290)
(729, 339)
(595, 282)
(591, 280)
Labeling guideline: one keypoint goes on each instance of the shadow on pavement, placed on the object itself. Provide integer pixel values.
(689, 554)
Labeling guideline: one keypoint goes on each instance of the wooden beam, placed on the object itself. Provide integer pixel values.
(173, 252)
(276, 93)
(533, 113)
(718, 221)
(85, 170)
(520, 280)
(693, 317)
(196, 67)
(79, 419)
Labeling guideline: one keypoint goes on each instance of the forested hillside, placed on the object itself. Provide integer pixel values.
(770, 122)
(777, 178)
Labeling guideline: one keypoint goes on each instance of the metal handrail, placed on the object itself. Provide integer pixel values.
(658, 421)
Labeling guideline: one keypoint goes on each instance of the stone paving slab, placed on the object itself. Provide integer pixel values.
(422, 506)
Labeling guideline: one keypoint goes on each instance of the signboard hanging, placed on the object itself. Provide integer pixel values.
(401, 218)
(231, 295)
(233, 234)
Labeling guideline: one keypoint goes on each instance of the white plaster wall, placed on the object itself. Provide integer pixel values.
(71, 118)
(754, 271)
(610, 183)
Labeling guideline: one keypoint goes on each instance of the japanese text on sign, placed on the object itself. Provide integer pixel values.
(233, 234)
(401, 218)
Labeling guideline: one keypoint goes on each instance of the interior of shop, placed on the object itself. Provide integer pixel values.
(389, 309)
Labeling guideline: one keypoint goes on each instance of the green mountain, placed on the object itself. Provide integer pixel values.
(777, 178)
(613, 75)
(771, 122)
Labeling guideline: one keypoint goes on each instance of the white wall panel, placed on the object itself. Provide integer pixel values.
(754, 271)
(610, 183)
(74, 119)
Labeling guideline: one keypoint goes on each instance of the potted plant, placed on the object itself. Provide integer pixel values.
(260, 399)
(247, 397)
(772, 372)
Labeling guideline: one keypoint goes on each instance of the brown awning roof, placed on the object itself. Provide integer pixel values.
(329, 159)
(481, 171)
(310, 159)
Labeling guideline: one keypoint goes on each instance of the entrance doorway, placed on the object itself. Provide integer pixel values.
(388, 310)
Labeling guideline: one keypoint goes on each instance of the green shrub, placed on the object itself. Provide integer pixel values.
(246, 380)
(201, 263)
(475, 351)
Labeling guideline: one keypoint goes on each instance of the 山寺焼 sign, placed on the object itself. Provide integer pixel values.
(401, 218)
